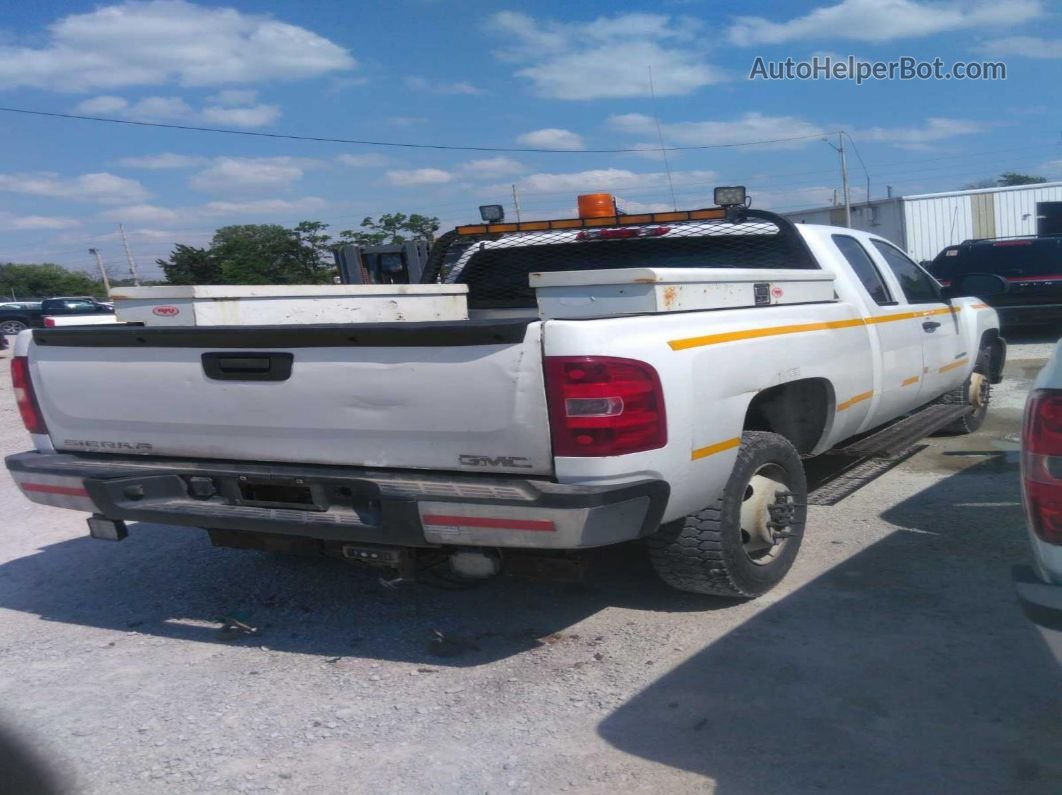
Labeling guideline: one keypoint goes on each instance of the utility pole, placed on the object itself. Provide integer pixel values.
(103, 270)
(129, 256)
(844, 177)
(844, 183)
(516, 203)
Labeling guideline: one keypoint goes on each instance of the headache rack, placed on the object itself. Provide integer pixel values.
(496, 260)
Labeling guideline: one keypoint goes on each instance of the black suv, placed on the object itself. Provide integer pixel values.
(1020, 277)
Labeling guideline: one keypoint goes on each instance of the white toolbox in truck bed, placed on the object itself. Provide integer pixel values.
(277, 305)
(635, 291)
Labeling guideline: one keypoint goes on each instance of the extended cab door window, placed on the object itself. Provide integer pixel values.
(864, 268)
(917, 285)
(944, 357)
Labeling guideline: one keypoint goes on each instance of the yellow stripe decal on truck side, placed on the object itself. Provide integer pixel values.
(953, 365)
(774, 331)
(908, 381)
(712, 449)
(753, 333)
(853, 400)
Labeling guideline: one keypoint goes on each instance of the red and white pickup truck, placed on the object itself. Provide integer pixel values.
(657, 377)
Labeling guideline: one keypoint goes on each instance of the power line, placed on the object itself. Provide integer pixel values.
(393, 144)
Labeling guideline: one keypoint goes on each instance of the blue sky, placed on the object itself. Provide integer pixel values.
(556, 76)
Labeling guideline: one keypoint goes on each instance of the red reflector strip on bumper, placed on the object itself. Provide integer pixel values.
(44, 488)
(536, 525)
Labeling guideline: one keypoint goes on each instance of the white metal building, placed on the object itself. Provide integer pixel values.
(924, 224)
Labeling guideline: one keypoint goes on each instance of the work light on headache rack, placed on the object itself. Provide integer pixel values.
(734, 200)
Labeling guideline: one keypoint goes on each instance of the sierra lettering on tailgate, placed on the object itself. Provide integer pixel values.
(104, 445)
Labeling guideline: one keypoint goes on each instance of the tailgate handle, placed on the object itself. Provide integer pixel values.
(252, 366)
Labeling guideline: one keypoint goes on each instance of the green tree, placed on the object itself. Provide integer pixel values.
(191, 265)
(264, 254)
(1008, 178)
(1005, 180)
(317, 248)
(423, 227)
(45, 281)
(392, 228)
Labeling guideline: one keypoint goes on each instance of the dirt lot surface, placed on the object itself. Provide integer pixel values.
(893, 659)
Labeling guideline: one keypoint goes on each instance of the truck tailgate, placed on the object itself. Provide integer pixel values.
(451, 396)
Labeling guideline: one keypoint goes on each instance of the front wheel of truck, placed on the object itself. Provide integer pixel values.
(976, 392)
(744, 543)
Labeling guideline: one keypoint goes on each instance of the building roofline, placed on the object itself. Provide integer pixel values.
(915, 196)
(1033, 186)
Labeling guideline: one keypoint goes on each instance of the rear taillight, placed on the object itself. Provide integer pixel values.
(1041, 463)
(604, 406)
(25, 397)
(49, 322)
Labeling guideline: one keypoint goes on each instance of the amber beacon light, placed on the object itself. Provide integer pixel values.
(597, 205)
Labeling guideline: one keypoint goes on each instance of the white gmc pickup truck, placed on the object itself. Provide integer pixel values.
(621, 377)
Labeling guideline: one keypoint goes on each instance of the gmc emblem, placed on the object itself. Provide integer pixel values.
(167, 310)
(507, 461)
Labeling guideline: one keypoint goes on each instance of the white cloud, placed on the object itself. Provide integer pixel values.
(159, 109)
(883, 20)
(262, 207)
(651, 151)
(405, 121)
(431, 86)
(606, 179)
(240, 175)
(171, 216)
(368, 160)
(934, 130)
(234, 97)
(748, 128)
(492, 167)
(102, 106)
(162, 161)
(100, 187)
(551, 138)
(256, 116)
(175, 109)
(17, 223)
(141, 214)
(239, 108)
(808, 197)
(607, 57)
(418, 176)
(153, 43)
(1052, 169)
(630, 206)
(1027, 46)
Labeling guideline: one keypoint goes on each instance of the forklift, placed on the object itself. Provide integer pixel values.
(397, 263)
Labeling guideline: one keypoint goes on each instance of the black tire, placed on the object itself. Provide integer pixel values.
(707, 552)
(13, 326)
(978, 397)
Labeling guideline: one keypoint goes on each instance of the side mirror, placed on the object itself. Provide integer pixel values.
(978, 285)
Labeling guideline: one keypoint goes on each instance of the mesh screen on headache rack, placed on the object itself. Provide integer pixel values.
(496, 267)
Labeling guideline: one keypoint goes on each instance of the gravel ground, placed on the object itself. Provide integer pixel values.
(893, 659)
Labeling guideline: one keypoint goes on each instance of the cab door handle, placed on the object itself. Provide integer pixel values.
(931, 325)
